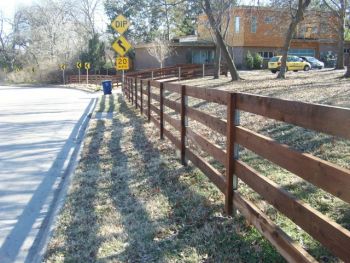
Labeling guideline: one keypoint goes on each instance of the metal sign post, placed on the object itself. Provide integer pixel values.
(123, 79)
(87, 67)
(64, 79)
(63, 68)
(79, 67)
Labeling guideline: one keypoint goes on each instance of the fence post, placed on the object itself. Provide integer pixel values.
(136, 92)
(132, 91)
(149, 100)
(231, 151)
(179, 71)
(183, 125)
(203, 70)
(152, 75)
(141, 100)
(161, 106)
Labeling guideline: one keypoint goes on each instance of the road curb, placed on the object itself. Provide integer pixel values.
(40, 244)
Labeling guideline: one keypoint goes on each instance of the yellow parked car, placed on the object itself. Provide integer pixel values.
(293, 63)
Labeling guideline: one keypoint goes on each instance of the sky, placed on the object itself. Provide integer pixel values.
(8, 8)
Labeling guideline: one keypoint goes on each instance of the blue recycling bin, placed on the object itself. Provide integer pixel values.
(107, 87)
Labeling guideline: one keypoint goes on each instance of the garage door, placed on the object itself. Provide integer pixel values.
(302, 52)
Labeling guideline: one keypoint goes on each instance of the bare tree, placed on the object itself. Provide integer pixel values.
(296, 15)
(347, 73)
(338, 8)
(160, 50)
(84, 13)
(215, 25)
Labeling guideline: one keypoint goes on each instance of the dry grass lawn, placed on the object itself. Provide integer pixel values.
(132, 201)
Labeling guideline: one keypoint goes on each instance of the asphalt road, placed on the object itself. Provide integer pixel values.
(40, 133)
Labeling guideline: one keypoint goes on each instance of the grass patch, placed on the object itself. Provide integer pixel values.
(132, 201)
(84, 86)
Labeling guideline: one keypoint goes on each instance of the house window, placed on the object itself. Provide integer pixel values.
(202, 56)
(268, 20)
(314, 30)
(237, 20)
(324, 28)
(302, 31)
(346, 50)
(266, 54)
(301, 52)
(253, 24)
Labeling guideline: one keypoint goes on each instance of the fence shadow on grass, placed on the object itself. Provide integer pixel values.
(190, 224)
(82, 241)
(317, 144)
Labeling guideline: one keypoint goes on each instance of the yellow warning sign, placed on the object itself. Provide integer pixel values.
(120, 24)
(121, 45)
(87, 65)
(122, 63)
(79, 65)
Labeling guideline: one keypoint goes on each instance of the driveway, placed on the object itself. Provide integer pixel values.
(40, 133)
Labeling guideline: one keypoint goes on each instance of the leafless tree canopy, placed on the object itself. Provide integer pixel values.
(47, 33)
(160, 50)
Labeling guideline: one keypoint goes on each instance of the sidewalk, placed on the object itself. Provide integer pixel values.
(132, 201)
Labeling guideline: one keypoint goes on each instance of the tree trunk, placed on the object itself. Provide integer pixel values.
(290, 32)
(220, 42)
(217, 62)
(347, 73)
(340, 55)
(299, 16)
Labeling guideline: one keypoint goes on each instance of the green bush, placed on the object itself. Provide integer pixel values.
(257, 61)
(249, 60)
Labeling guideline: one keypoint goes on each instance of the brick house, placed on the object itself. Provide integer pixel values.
(261, 30)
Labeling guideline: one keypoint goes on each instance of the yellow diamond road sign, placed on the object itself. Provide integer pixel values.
(121, 45)
(120, 24)
(122, 63)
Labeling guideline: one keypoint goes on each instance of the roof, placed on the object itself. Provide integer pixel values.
(194, 43)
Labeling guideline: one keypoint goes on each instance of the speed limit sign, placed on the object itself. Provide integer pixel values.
(122, 63)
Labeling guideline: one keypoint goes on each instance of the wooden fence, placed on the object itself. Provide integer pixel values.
(147, 94)
(95, 79)
(183, 71)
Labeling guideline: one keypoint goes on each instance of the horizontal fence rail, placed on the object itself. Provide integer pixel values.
(151, 97)
(94, 79)
(181, 71)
